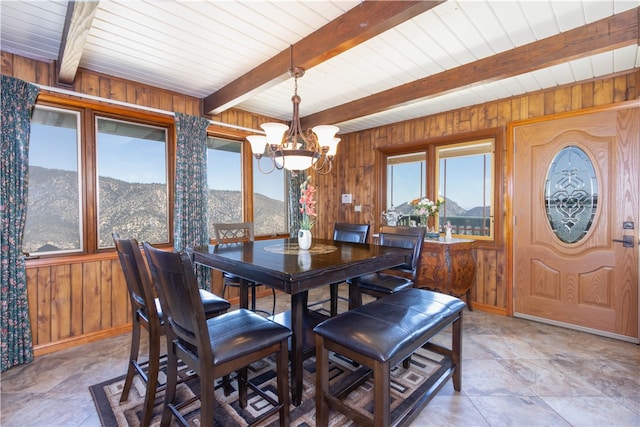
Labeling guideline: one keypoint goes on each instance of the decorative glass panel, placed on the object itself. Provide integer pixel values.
(571, 194)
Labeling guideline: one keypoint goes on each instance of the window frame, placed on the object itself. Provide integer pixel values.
(429, 146)
(89, 111)
(97, 116)
(214, 131)
(465, 149)
(78, 112)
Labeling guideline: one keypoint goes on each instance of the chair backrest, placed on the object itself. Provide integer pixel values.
(137, 275)
(180, 299)
(404, 237)
(354, 233)
(233, 232)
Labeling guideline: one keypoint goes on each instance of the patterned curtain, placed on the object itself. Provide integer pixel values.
(191, 191)
(18, 99)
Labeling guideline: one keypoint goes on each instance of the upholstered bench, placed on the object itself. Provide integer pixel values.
(380, 335)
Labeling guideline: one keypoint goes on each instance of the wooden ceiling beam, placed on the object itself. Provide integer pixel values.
(363, 22)
(610, 33)
(74, 35)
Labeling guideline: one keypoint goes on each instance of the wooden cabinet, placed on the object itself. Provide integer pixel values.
(447, 267)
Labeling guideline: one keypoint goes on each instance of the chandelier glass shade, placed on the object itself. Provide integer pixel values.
(290, 148)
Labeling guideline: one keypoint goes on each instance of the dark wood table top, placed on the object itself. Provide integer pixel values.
(281, 264)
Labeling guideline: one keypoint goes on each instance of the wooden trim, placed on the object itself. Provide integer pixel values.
(42, 349)
(490, 309)
(429, 146)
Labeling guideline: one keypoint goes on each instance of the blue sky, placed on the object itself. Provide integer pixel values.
(128, 159)
(464, 185)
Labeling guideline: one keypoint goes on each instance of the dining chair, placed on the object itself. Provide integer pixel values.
(386, 282)
(215, 347)
(343, 232)
(147, 313)
(228, 233)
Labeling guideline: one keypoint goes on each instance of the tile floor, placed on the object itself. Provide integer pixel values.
(515, 373)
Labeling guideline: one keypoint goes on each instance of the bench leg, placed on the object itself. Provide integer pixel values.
(381, 393)
(456, 352)
(322, 382)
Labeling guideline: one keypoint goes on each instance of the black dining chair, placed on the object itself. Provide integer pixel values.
(147, 313)
(386, 282)
(343, 232)
(215, 347)
(229, 233)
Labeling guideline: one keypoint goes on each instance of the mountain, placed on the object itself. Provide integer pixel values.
(131, 209)
(452, 209)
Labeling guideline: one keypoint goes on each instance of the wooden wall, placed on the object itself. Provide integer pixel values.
(356, 171)
(78, 299)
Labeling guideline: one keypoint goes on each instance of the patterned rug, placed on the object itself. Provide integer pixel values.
(405, 382)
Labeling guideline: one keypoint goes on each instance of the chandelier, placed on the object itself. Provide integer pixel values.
(296, 150)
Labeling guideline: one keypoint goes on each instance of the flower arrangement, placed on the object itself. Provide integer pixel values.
(426, 208)
(307, 205)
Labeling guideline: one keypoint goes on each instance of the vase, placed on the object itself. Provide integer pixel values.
(304, 239)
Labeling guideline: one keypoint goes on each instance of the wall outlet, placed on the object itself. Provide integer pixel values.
(358, 208)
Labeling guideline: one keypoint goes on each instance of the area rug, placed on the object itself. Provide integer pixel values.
(406, 385)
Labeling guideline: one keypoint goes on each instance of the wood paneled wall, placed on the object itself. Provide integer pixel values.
(356, 170)
(79, 299)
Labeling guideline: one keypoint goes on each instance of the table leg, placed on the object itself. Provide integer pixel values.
(297, 339)
(244, 293)
(355, 296)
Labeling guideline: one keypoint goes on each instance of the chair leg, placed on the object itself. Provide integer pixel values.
(207, 398)
(283, 382)
(273, 309)
(253, 297)
(152, 376)
(242, 387)
(133, 357)
(333, 292)
(322, 382)
(170, 390)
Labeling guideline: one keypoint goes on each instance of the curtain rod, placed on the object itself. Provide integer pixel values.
(141, 107)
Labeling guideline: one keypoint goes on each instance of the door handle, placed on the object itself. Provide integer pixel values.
(627, 241)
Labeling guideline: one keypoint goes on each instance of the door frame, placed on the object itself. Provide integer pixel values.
(510, 193)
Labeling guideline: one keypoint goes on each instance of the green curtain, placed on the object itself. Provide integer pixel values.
(191, 190)
(18, 99)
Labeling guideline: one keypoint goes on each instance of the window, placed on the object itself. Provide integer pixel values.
(406, 179)
(269, 206)
(228, 189)
(132, 181)
(463, 170)
(465, 180)
(54, 214)
(224, 176)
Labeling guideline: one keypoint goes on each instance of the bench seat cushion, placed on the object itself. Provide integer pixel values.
(379, 330)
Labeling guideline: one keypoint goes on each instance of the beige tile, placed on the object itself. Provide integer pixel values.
(593, 411)
(449, 410)
(517, 411)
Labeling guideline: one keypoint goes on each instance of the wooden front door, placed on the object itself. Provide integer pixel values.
(586, 279)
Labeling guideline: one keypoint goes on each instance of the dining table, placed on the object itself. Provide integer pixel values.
(284, 266)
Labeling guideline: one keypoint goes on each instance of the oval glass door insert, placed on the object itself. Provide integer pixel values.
(571, 194)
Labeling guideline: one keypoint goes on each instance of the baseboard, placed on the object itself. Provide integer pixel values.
(489, 308)
(52, 347)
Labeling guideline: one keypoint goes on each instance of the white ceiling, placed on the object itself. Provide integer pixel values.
(198, 47)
